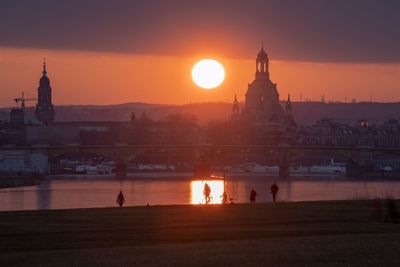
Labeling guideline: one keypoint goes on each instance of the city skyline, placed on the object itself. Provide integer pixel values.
(316, 49)
(88, 74)
(199, 132)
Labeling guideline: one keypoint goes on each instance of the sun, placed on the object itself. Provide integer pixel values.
(208, 73)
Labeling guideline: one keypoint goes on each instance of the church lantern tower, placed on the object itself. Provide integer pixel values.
(262, 65)
(44, 111)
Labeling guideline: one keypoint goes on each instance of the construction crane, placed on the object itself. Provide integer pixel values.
(22, 99)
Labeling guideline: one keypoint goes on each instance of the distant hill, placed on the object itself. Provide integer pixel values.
(310, 112)
(305, 112)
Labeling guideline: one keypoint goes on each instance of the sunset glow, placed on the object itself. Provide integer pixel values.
(197, 187)
(208, 73)
(199, 133)
(86, 78)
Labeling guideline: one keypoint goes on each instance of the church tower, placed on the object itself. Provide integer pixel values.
(44, 111)
(235, 109)
(262, 65)
(288, 107)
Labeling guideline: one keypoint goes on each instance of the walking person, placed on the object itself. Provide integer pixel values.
(274, 191)
(253, 195)
(120, 199)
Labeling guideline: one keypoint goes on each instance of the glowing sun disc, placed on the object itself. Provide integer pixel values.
(208, 73)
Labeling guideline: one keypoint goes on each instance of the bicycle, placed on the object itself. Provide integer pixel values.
(204, 200)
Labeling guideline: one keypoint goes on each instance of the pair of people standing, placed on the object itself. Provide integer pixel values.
(274, 191)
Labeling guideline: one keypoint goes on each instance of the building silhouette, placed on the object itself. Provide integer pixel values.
(262, 97)
(263, 118)
(44, 111)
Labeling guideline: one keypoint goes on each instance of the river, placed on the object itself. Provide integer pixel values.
(90, 192)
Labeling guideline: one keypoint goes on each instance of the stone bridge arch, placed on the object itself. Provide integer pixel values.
(357, 158)
(381, 157)
(119, 155)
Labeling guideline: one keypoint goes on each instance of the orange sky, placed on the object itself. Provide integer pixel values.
(111, 78)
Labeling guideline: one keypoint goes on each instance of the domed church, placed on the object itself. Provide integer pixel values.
(262, 97)
(263, 114)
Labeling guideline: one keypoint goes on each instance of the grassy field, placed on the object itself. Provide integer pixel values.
(282, 234)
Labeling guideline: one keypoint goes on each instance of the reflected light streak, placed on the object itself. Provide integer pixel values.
(197, 187)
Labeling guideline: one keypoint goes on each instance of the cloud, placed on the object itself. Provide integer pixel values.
(302, 30)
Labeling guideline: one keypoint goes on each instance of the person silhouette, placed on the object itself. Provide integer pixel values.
(207, 193)
(224, 198)
(120, 199)
(253, 195)
(274, 191)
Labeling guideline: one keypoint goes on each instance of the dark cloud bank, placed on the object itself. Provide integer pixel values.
(308, 30)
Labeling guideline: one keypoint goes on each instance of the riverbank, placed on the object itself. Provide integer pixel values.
(229, 176)
(282, 234)
(8, 181)
(189, 175)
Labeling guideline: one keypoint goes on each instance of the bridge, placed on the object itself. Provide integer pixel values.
(358, 158)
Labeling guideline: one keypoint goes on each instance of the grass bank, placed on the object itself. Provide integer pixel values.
(335, 233)
(7, 181)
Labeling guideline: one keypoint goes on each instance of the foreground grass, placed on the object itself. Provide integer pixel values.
(281, 234)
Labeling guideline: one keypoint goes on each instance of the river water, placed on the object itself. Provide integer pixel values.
(89, 192)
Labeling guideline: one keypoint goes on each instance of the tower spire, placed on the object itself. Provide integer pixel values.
(235, 109)
(44, 111)
(289, 109)
(44, 67)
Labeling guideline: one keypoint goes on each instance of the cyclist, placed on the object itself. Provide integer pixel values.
(207, 193)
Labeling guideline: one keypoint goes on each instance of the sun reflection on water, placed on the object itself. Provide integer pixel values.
(197, 187)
